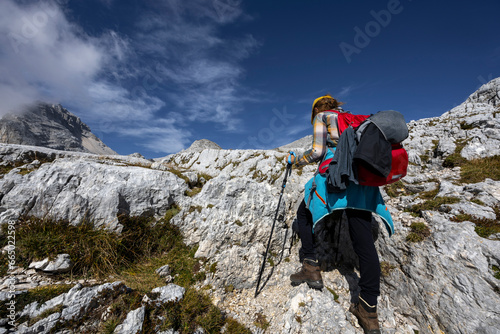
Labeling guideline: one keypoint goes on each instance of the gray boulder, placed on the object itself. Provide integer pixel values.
(133, 323)
(61, 264)
(77, 190)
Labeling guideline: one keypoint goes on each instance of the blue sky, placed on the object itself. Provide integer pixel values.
(152, 76)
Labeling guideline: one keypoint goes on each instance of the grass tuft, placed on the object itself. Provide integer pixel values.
(419, 231)
(395, 189)
(131, 257)
(386, 268)
(478, 170)
(496, 271)
(455, 159)
(431, 204)
(261, 321)
(335, 295)
(484, 227)
(96, 252)
(234, 327)
(465, 126)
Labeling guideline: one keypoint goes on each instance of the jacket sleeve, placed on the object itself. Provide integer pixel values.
(318, 145)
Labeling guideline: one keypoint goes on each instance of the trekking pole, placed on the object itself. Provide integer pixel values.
(288, 171)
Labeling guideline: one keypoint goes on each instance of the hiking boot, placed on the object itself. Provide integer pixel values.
(310, 273)
(367, 320)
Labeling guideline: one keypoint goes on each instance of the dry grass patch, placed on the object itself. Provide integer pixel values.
(474, 171)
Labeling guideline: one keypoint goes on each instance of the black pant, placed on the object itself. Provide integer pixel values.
(360, 230)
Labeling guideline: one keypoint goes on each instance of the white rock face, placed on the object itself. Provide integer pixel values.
(203, 144)
(169, 293)
(75, 190)
(133, 322)
(50, 126)
(75, 304)
(474, 124)
(61, 264)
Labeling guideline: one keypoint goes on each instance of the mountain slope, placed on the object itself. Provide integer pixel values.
(50, 126)
(440, 269)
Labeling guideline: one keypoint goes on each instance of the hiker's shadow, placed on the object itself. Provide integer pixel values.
(335, 251)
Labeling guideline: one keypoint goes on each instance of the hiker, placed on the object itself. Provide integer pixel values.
(326, 136)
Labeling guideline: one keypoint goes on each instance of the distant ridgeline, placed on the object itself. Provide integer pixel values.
(50, 126)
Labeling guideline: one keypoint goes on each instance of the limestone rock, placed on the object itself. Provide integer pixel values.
(133, 323)
(203, 144)
(169, 293)
(61, 264)
(163, 271)
(75, 304)
(75, 190)
(50, 126)
(311, 311)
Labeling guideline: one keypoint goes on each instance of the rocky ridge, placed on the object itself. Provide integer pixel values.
(50, 126)
(443, 283)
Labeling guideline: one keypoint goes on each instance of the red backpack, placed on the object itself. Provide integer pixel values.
(365, 175)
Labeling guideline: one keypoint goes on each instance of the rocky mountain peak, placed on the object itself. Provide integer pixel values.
(488, 93)
(203, 144)
(50, 126)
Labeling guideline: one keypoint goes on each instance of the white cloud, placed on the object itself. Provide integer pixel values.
(42, 57)
(175, 61)
(202, 69)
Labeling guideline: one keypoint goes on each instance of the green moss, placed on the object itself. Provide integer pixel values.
(419, 231)
(238, 222)
(210, 206)
(229, 288)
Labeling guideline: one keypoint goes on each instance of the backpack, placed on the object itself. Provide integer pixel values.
(379, 157)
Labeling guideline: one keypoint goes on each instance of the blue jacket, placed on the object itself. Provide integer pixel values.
(321, 203)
